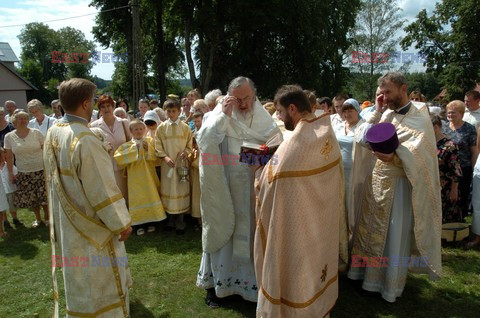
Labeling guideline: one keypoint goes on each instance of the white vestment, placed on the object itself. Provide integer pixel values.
(87, 214)
(401, 201)
(227, 201)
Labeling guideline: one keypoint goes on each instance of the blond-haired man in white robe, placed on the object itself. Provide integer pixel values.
(400, 208)
(89, 219)
(227, 198)
(301, 221)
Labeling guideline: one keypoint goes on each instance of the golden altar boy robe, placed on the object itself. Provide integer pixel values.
(171, 139)
(87, 214)
(144, 202)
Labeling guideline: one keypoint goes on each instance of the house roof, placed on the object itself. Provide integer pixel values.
(6, 53)
(18, 75)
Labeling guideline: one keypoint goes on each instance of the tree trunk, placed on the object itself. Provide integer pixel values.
(188, 52)
(129, 39)
(160, 50)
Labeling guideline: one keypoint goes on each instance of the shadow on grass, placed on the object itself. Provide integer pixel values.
(240, 305)
(420, 298)
(19, 242)
(137, 309)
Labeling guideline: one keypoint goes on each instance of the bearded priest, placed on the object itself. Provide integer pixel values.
(301, 222)
(227, 203)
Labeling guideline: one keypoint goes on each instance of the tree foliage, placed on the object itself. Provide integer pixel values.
(38, 42)
(114, 29)
(372, 45)
(273, 42)
(426, 83)
(161, 53)
(451, 41)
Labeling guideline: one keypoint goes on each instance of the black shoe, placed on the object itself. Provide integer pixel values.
(212, 300)
(211, 303)
(180, 232)
(6, 225)
(18, 223)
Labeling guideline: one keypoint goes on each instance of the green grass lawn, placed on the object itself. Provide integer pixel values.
(164, 267)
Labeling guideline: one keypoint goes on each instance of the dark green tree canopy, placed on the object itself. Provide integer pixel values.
(43, 59)
(451, 41)
(273, 42)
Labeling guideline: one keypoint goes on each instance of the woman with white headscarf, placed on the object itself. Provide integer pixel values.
(345, 133)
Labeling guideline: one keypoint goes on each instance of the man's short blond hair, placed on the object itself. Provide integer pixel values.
(34, 103)
(72, 93)
(457, 105)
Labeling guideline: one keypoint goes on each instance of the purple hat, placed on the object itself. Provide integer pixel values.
(383, 138)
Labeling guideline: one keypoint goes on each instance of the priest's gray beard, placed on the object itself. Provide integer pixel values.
(244, 117)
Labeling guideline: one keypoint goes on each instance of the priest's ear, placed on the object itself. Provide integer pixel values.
(292, 108)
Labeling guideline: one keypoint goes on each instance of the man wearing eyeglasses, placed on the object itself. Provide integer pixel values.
(227, 201)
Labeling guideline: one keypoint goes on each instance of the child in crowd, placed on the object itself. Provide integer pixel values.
(194, 172)
(152, 121)
(173, 143)
(9, 189)
(138, 157)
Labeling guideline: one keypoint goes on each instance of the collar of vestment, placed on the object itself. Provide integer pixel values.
(404, 109)
(171, 122)
(69, 118)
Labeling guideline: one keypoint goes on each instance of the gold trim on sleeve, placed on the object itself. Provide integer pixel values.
(108, 202)
(116, 232)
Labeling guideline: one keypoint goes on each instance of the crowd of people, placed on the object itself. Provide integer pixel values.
(349, 181)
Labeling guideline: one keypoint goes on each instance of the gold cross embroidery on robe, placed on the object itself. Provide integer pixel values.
(325, 151)
(324, 273)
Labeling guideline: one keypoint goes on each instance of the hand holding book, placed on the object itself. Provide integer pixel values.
(252, 153)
